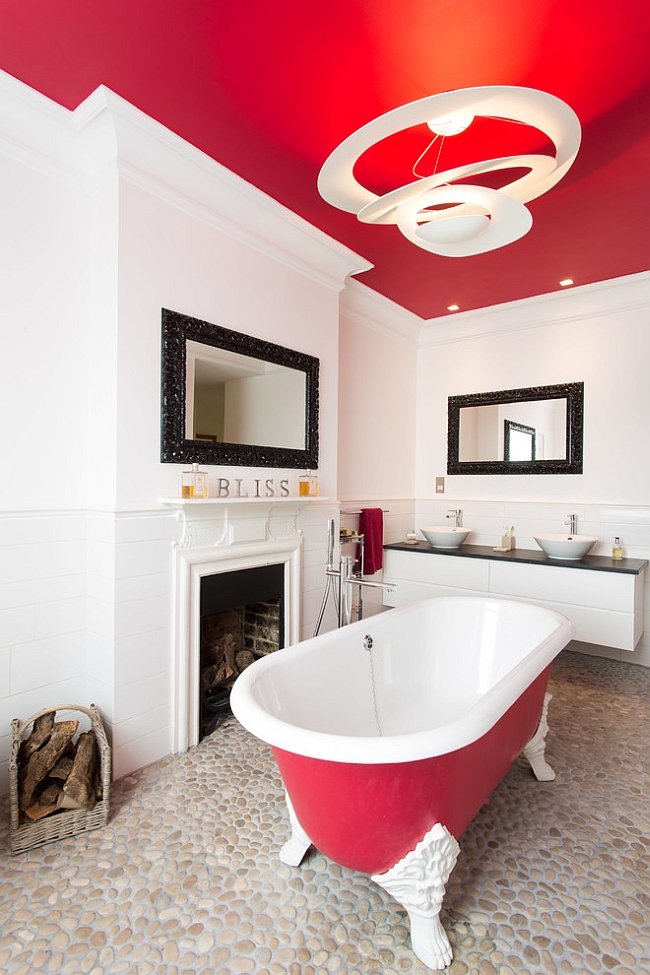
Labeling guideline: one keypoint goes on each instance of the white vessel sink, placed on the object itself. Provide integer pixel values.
(568, 547)
(444, 536)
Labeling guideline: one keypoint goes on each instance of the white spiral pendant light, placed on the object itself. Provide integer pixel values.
(475, 218)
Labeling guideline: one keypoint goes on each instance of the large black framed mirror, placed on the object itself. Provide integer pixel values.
(230, 399)
(537, 430)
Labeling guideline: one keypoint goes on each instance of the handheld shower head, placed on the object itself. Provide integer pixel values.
(331, 529)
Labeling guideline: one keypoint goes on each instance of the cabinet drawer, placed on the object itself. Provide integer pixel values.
(406, 591)
(600, 590)
(599, 626)
(441, 570)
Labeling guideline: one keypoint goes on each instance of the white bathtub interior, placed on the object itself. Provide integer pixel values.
(430, 672)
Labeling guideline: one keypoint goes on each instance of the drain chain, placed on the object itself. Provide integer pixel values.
(367, 645)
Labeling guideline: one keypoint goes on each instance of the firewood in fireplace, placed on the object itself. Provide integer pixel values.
(217, 674)
(219, 650)
(220, 663)
(230, 662)
(243, 659)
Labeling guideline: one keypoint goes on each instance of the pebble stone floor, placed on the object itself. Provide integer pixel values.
(185, 878)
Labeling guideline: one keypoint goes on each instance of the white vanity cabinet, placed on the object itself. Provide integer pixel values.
(420, 574)
(604, 603)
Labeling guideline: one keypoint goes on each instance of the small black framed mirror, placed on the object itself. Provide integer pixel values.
(228, 398)
(536, 430)
(519, 441)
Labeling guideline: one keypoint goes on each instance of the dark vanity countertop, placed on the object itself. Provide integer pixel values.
(600, 563)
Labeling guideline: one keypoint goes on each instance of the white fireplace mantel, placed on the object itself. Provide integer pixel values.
(229, 521)
(225, 535)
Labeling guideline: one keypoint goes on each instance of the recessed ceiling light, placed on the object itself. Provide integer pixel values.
(453, 307)
(565, 282)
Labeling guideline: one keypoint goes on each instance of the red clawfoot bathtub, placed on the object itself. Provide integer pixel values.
(392, 732)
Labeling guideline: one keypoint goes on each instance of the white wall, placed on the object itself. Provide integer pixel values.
(43, 337)
(108, 217)
(597, 335)
(44, 264)
(377, 397)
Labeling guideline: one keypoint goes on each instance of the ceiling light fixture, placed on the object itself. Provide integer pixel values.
(565, 282)
(453, 307)
(476, 218)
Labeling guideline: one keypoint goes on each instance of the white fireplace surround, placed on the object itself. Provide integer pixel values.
(224, 536)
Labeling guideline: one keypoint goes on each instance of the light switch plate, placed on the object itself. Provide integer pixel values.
(440, 485)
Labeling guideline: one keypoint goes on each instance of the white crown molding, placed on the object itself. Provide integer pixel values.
(105, 132)
(157, 160)
(587, 301)
(379, 313)
(37, 132)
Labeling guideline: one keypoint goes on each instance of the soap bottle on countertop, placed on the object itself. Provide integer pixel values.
(617, 551)
(308, 485)
(194, 483)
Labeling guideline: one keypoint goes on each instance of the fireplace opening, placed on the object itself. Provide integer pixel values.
(242, 618)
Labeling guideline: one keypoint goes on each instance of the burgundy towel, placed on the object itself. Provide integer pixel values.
(371, 526)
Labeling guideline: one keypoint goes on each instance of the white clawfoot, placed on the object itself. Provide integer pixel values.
(534, 750)
(295, 848)
(418, 883)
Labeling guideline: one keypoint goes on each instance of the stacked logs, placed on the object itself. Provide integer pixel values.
(54, 771)
(222, 660)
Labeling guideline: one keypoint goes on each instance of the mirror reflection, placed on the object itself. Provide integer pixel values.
(536, 430)
(514, 431)
(232, 398)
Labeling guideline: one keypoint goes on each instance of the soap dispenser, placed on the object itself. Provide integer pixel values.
(617, 551)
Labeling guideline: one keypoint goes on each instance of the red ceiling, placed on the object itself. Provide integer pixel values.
(270, 89)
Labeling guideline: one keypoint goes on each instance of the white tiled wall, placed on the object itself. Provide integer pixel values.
(313, 524)
(42, 616)
(142, 639)
(86, 616)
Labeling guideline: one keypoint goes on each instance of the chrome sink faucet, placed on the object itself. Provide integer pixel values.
(572, 522)
(457, 514)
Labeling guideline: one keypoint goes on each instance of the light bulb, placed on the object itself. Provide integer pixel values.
(452, 230)
(451, 124)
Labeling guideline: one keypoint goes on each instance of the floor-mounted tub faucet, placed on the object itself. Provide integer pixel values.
(341, 580)
(457, 514)
(572, 522)
(347, 578)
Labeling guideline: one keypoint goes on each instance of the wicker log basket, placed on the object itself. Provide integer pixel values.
(27, 835)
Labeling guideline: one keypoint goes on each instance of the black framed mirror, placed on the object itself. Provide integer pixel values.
(537, 430)
(230, 399)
